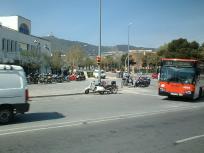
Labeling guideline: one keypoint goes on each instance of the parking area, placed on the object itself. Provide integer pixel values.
(78, 87)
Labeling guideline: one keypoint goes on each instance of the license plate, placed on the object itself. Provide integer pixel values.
(174, 94)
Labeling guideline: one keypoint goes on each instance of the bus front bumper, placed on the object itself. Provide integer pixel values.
(186, 95)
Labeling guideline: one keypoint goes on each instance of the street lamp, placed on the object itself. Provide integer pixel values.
(99, 48)
(129, 46)
(126, 62)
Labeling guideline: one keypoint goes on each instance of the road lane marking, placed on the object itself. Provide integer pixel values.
(88, 121)
(39, 126)
(189, 139)
(39, 129)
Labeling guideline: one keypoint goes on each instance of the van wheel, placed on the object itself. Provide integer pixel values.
(6, 115)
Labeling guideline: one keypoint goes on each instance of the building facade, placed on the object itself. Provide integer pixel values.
(18, 46)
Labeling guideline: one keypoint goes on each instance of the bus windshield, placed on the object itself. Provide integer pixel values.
(184, 75)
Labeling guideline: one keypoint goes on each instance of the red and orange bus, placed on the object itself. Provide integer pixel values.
(181, 78)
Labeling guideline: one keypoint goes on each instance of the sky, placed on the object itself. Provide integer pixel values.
(154, 22)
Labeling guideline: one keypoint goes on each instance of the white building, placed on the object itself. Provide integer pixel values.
(18, 46)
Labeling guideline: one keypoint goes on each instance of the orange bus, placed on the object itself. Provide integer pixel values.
(181, 78)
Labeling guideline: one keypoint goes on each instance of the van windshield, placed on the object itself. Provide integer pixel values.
(9, 80)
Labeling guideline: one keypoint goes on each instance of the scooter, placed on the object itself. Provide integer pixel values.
(94, 87)
(102, 88)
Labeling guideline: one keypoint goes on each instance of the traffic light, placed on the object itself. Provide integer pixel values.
(98, 59)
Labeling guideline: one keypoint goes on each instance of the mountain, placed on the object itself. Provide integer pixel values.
(63, 46)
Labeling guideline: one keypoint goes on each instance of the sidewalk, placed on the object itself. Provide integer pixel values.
(58, 89)
(61, 89)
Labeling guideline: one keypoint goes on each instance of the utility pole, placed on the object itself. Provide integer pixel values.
(129, 47)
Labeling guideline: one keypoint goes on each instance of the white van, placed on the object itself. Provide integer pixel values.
(13, 92)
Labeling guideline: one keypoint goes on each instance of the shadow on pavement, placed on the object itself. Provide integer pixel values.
(59, 95)
(105, 94)
(201, 100)
(180, 99)
(34, 117)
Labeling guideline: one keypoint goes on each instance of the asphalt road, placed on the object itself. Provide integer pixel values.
(146, 134)
(125, 122)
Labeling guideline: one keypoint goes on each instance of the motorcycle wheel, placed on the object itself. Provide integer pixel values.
(101, 92)
(87, 91)
(114, 90)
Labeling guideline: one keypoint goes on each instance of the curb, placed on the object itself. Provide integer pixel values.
(59, 95)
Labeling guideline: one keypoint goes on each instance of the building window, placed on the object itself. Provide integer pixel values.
(24, 29)
(8, 45)
(28, 47)
(3, 44)
(12, 46)
(16, 48)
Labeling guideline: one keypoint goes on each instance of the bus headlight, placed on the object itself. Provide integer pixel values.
(162, 89)
(162, 85)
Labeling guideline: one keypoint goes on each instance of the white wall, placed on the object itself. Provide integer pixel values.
(14, 22)
(10, 22)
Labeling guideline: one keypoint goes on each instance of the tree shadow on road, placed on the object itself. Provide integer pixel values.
(34, 117)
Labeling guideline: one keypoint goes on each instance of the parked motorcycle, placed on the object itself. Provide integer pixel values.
(57, 78)
(80, 76)
(142, 82)
(127, 80)
(33, 78)
(102, 88)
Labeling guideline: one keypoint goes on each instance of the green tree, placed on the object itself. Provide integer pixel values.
(202, 52)
(76, 56)
(162, 51)
(55, 60)
(180, 48)
(89, 62)
(117, 61)
(30, 60)
(46, 61)
(152, 59)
